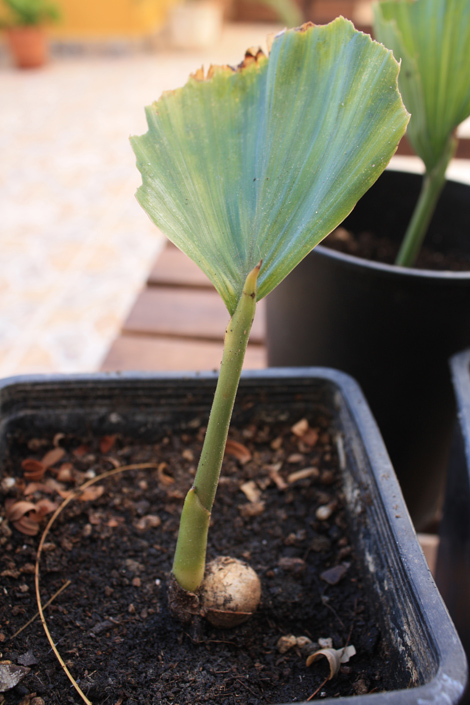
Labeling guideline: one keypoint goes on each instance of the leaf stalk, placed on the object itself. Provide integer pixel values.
(190, 554)
(433, 183)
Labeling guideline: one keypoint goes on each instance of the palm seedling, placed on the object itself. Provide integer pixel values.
(246, 170)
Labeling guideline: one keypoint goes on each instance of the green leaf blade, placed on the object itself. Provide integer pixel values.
(264, 162)
(204, 173)
(338, 147)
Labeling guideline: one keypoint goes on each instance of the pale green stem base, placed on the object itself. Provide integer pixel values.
(433, 184)
(190, 554)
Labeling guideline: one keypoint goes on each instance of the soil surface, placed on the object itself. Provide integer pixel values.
(279, 507)
(370, 246)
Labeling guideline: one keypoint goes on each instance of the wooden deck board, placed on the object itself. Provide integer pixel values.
(185, 313)
(173, 268)
(178, 323)
(148, 354)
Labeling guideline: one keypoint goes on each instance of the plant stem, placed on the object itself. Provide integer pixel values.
(190, 554)
(433, 183)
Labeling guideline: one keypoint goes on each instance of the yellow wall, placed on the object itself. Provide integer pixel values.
(95, 19)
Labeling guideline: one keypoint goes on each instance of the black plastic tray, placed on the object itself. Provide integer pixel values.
(403, 592)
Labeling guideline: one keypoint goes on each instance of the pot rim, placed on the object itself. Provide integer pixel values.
(391, 270)
(353, 262)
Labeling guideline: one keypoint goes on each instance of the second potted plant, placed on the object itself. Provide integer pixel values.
(391, 326)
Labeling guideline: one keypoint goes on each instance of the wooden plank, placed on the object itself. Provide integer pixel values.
(141, 353)
(430, 546)
(185, 313)
(463, 148)
(174, 268)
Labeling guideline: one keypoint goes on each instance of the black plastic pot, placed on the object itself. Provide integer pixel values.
(409, 609)
(392, 328)
(453, 561)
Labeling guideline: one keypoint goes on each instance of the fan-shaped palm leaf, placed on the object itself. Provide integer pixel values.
(262, 162)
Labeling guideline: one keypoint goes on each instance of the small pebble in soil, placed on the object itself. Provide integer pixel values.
(324, 512)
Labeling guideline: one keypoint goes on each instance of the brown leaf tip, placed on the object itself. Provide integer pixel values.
(252, 56)
(200, 76)
(305, 26)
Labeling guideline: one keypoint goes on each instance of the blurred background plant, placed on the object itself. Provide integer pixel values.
(287, 11)
(24, 22)
(26, 13)
(432, 40)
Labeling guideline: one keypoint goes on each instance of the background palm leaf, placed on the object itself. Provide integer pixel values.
(432, 39)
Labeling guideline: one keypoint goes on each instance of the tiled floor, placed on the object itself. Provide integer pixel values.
(75, 246)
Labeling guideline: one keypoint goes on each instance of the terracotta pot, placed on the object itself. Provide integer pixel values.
(28, 46)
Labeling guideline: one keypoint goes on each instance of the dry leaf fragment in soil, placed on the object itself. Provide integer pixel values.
(64, 473)
(88, 494)
(165, 479)
(26, 516)
(303, 474)
(43, 507)
(300, 428)
(33, 469)
(335, 658)
(252, 509)
(15, 510)
(106, 443)
(294, 458)
(53, 456)
(149, 521)
(287, 642)
(275, 476)
(251, 491)
(307, 435)
(238, 450)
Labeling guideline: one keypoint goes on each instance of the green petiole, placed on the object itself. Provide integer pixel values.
(433, 183)
(190, 554)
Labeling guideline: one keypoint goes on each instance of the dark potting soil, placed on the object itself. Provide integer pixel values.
(279, 507)
(371, 246)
